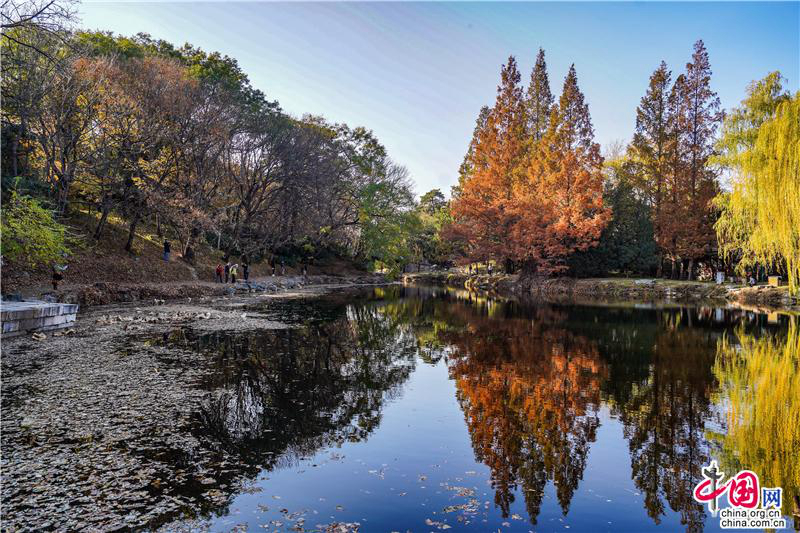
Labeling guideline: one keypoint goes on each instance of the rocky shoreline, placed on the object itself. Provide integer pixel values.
(616, 289)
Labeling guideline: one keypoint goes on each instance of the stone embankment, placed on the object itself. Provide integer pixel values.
(18, 318)
(615, 289)
(105, 293)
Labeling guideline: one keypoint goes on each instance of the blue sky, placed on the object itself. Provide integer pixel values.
(417, 73)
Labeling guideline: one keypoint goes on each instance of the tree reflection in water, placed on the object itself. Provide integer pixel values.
(276, 396)
(664, 419)
(759, 384)
(531, 380)
(530, 392)
(287, 393)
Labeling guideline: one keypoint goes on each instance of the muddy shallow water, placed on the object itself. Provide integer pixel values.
(394, 409)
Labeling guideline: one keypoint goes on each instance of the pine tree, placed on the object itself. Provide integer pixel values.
(702, 120)
(539, 101)
(627, 244)
(482, 208)
(650, 145)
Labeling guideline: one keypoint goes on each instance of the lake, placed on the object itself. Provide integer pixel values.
(429, 408)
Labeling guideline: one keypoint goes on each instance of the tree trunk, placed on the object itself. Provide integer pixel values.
(14, 145)
(131, 233)
(690, 272)
(63, 197)
(101, 223)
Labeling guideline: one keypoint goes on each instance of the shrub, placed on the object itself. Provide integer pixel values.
(29, 234)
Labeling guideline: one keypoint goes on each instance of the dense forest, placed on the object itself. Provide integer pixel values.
(140, 131)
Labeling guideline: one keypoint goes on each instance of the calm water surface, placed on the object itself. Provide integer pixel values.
(427, 409)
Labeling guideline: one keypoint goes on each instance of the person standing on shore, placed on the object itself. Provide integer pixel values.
(227, 271)
(234, 269)
(245, 271)
(167, 249)
(58, 275)
(219, 272)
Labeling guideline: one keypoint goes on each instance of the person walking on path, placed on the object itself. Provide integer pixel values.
(167, 250)
(227, 271)
(234, 268)
(219, 272)
(245, 271)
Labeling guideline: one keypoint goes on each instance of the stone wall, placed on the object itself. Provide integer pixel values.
(19, 318)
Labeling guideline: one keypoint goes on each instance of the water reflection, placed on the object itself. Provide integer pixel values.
(531, 378)
(275, 396)
(530, 392)
(665, 419)
(760, 386)
(686, 384)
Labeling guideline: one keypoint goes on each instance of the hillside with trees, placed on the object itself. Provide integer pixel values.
(113, 142)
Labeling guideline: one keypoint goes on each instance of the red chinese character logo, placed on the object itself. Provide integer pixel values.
(744, 490)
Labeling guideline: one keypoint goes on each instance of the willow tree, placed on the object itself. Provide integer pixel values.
(763, 422)
(760, 216)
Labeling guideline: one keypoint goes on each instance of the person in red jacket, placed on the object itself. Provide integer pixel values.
(219, 272)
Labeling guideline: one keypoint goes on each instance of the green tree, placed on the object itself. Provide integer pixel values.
(650, 147)
(30, 235)
(760, 217)
(626, 244)
(432, 201)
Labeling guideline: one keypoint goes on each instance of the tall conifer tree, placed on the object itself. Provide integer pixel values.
(539, 101)
(700, 120)
(482, 209)
(650, 145)
(469, 164)
(561, 206)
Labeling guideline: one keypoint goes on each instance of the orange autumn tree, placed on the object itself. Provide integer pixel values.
(534, 191)
(483, 207)
(559, 204)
